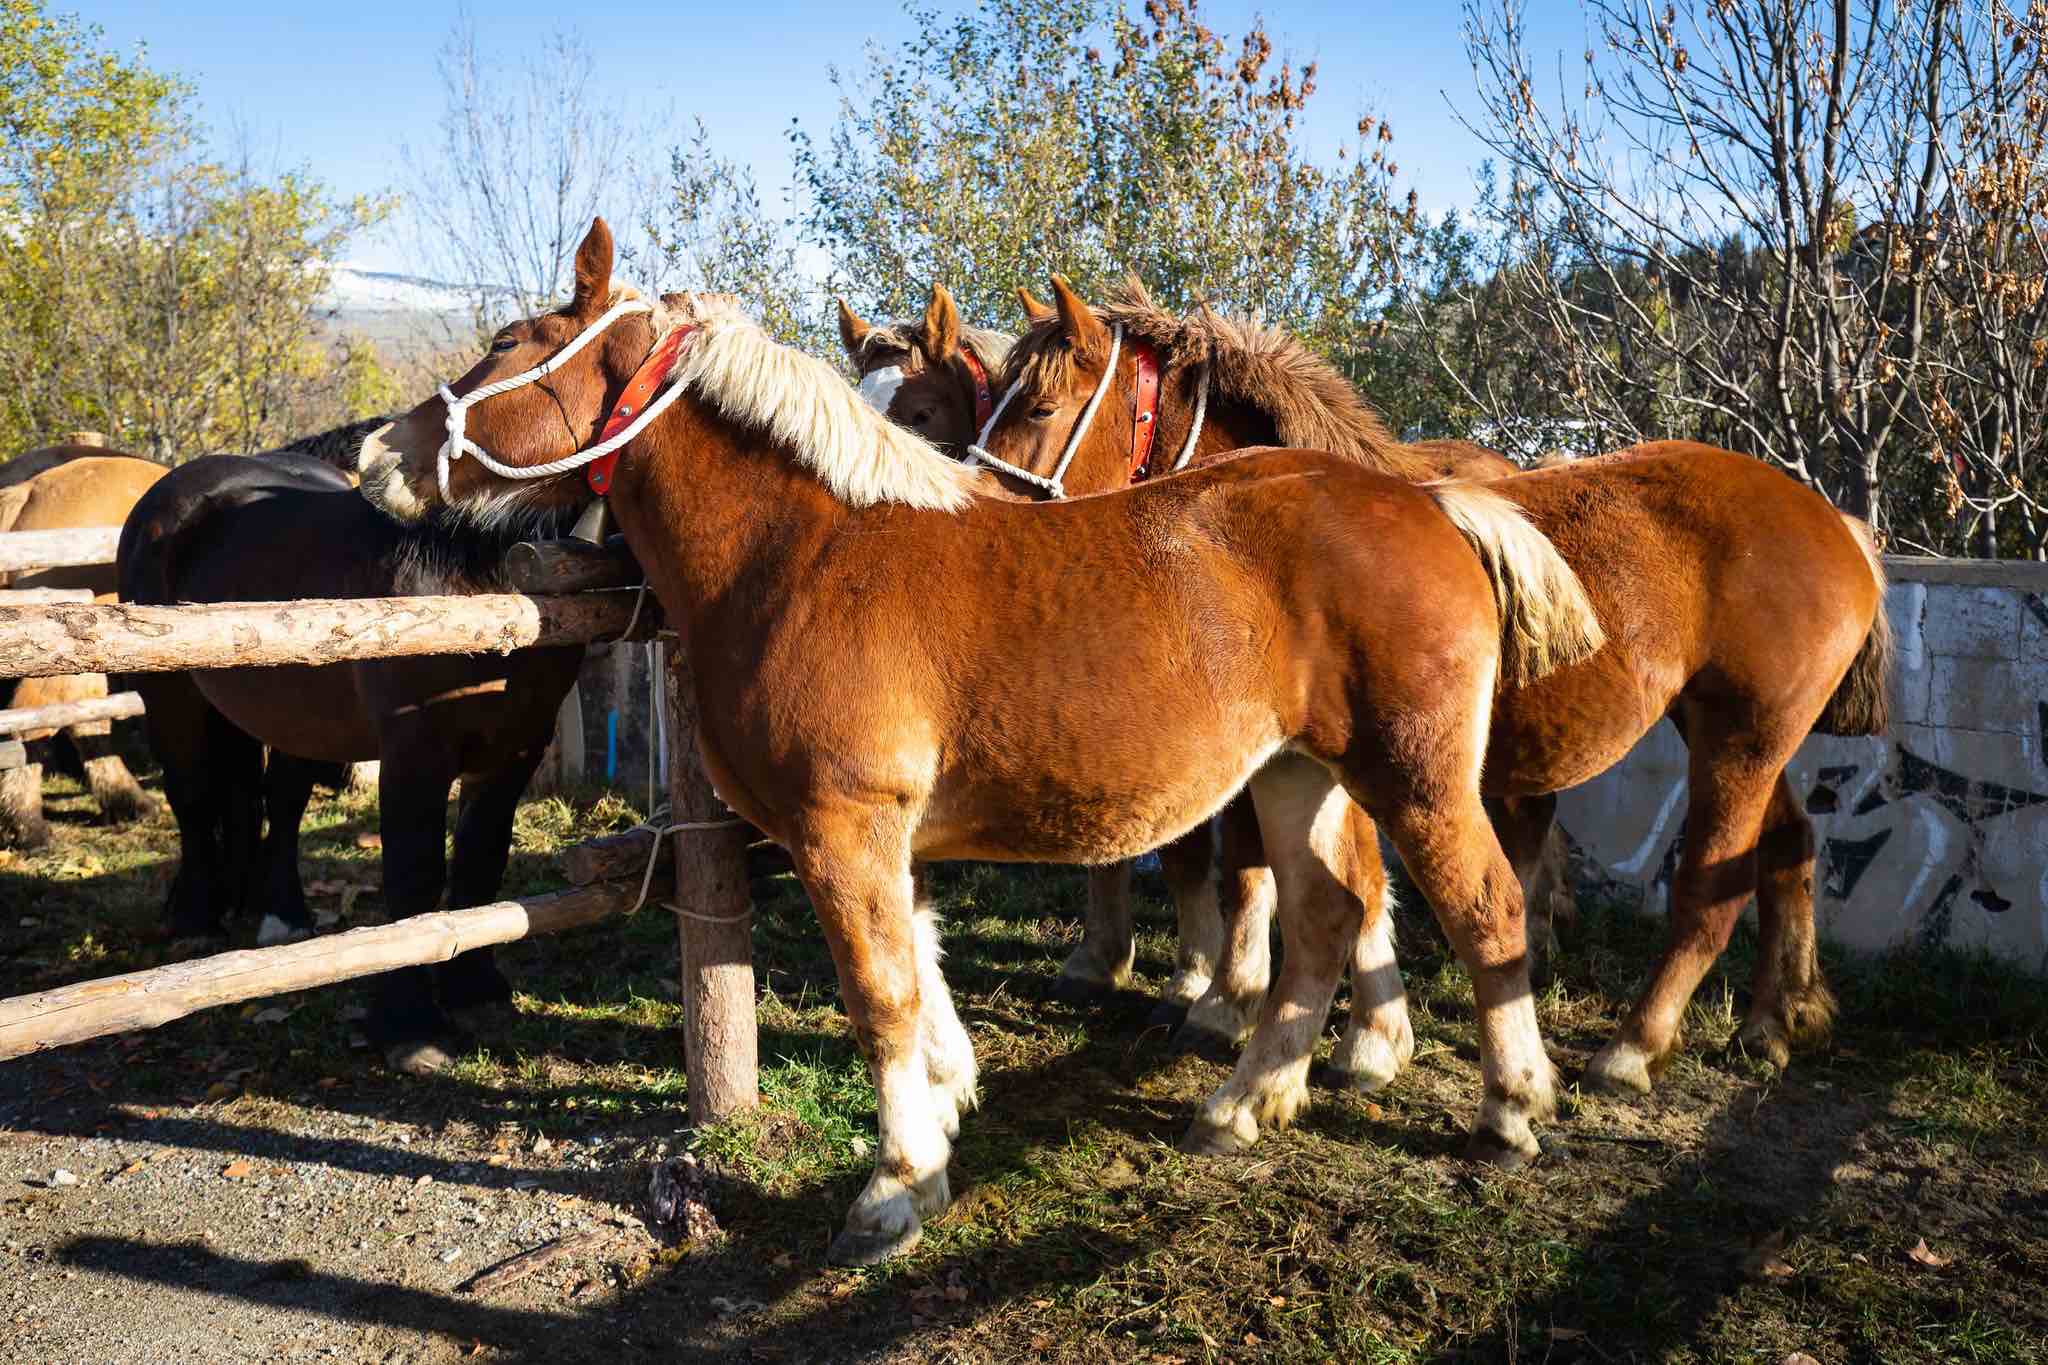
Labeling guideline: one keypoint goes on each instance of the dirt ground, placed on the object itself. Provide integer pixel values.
(251, 1185)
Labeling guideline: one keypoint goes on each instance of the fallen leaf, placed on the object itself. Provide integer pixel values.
(367, 839)
(1041, 1303)
(497, 1159)
(1799, 1358)
(276, 1014)
(476, 1348)
(1041, 1342)
(235, 1170)
(1567, 1334)
(1926, 1256)
(131, 1168)
(1278, 1301)
(220, 1090)
(328, 1082)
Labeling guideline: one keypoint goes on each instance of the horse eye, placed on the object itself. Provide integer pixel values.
(504, 343)
(1043, 411)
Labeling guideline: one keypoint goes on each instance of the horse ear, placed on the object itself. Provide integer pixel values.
(1035, 309)
(852, 331)
(941, 323)
(593, 270)
(1077, 318)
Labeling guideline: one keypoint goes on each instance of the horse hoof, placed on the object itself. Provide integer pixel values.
(417, 1058)
(1205, 1138)
(1618, 1069)
(872, 1248)
(1769, 1043)
(1167, 1017)
(1072, 990)
(1493, 1150)
(275, 929)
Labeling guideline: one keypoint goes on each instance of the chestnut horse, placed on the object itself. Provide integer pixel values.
(1736, 601)
(944, 383)
(93, 489)
(226, 528)
(1345, 642)
(934, 376)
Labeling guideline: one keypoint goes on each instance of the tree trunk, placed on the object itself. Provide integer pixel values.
(713, 923)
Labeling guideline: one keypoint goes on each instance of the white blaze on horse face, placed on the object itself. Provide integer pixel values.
(879, 387)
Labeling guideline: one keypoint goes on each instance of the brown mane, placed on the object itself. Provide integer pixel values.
(1311, 405)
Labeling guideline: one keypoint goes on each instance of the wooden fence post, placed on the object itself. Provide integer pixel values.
(714, 927)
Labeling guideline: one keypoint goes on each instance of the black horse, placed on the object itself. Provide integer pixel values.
(287, 526)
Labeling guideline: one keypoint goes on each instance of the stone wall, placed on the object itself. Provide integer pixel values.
(1936, 834)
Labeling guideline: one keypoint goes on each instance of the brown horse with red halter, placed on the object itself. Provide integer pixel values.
(1333, 635)
(1736, 602)
(933, 376)
(1223, 940)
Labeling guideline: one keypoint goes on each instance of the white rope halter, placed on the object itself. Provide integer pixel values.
(977, 454)
(458, 445)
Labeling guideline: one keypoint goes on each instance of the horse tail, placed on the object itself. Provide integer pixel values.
(1861, 704)
(1546, 619)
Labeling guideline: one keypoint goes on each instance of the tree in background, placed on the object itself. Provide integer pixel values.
(1808, 229)
(713, 234)
(145, 292)
(528, 152)
(998, 145)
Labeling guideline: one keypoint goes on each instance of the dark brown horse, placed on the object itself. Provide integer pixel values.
(230, 528)
(1335, 634)
(1736, 602)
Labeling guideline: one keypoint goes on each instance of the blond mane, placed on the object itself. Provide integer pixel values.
(1311, 405)
(808, 407)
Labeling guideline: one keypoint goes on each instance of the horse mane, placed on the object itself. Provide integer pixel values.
(1312, 406)
(985, 344)
(807, 406)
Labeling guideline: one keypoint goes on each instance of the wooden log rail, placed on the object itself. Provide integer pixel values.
(43, 597)
(127, 638)
(20, 720)
(87, 545)
(151, 998)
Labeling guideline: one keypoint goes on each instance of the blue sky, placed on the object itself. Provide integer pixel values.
(337, 89)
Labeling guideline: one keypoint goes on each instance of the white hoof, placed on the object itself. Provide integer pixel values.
(1366, 1061)
(274, 930)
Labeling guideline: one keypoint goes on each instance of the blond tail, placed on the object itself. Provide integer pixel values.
(1547, 621)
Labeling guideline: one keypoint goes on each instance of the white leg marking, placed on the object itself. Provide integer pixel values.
(1379, 1041)
(948, 1051)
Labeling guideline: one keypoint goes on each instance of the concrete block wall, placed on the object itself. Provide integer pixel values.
(1935, 834)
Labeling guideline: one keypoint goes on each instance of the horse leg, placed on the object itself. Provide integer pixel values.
(1729, 789)
(21, 807)
(1189, 863)
(404, 1020)
(948, 1051)
(1526, 826)
(1789, 1000)
(1379, 1041)
(1316, 861)
(287, 788)
(1450, 850)
(483, 846)
(1109, 945)
(857, 872)
(1226, 1011)
(114, 789)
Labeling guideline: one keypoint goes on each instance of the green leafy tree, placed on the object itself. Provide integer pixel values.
(146, 292)
(1023, 137)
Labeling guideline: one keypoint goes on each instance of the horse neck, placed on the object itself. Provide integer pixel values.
(1103, 464)
(717, 517)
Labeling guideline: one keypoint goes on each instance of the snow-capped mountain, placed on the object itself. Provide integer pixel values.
(396, 310)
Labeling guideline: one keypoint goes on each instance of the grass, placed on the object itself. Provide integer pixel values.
(1735, 1215)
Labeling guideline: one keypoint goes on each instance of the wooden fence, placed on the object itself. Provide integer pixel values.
(567, 593)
